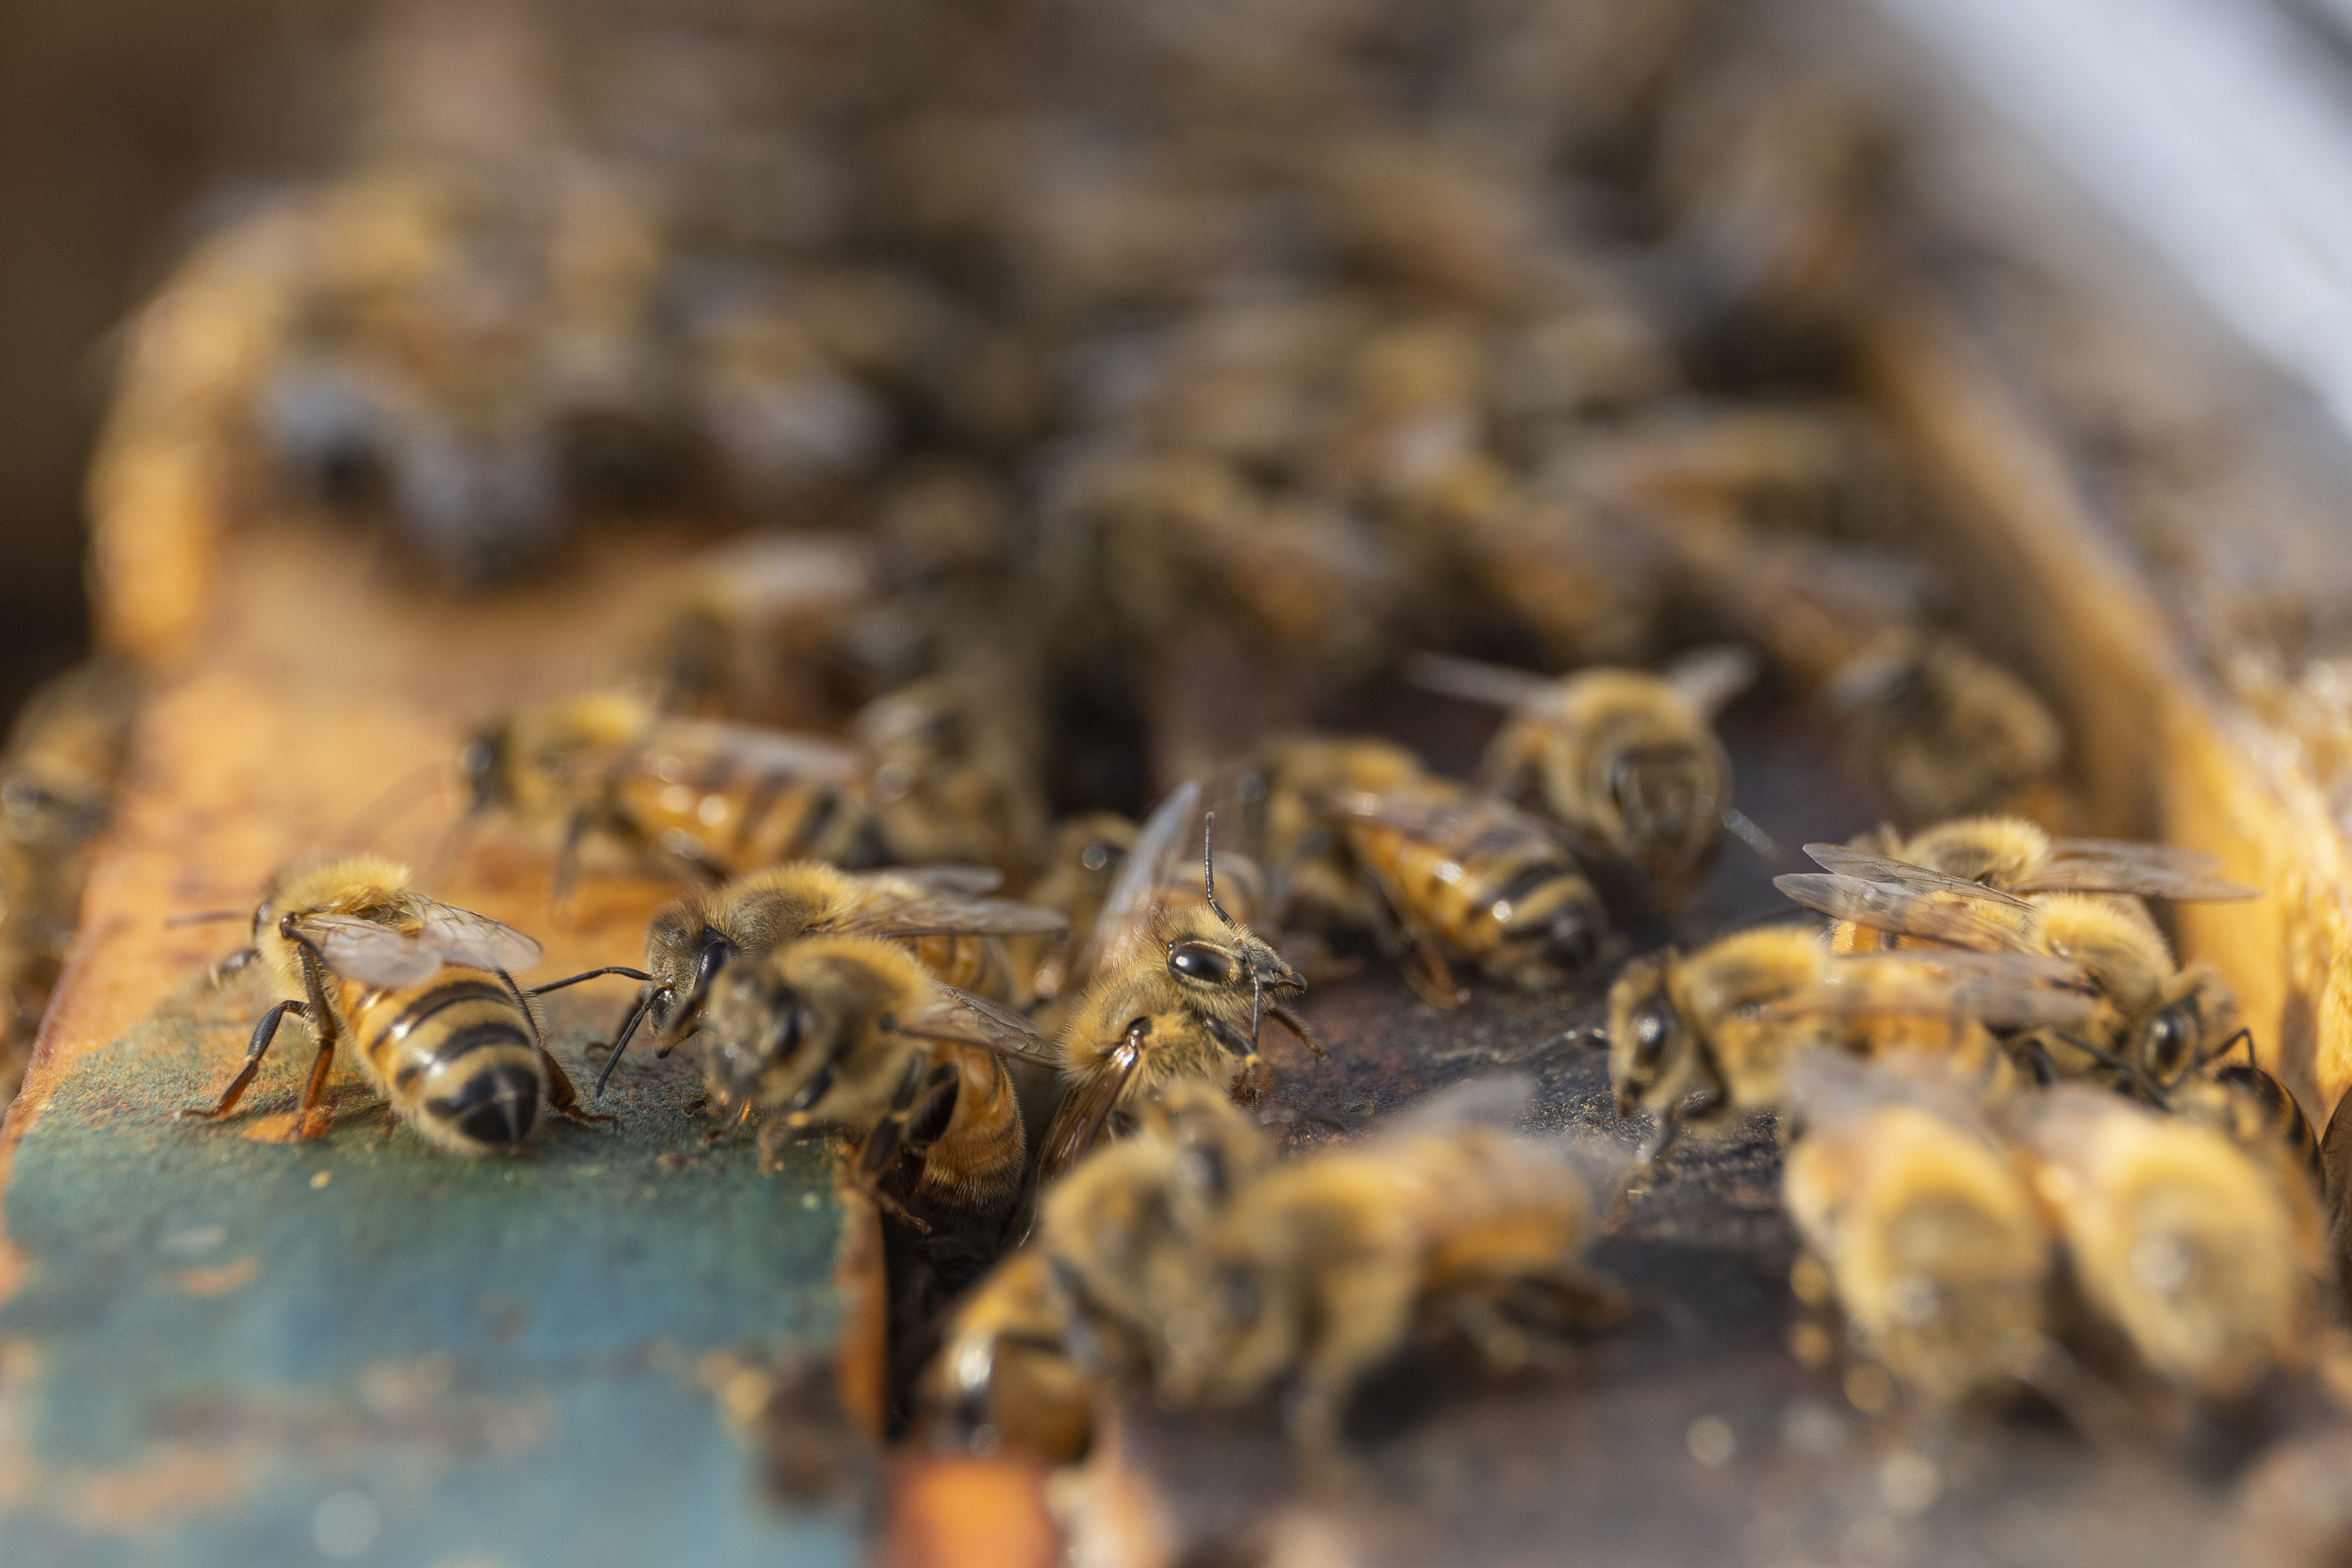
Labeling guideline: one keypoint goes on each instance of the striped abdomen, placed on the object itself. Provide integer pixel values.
(976, 1160)
(1499, 891)
(735, 818)
(454, 1056)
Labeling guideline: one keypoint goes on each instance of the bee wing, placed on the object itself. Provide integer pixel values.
(1086, 1108)
(1887, 983)
(1494, 684)
(1426, 816)
(964, 881)
(1709, 677)
(1909, 911)
(1154, 860)
(461, 936)
(1862, 866)
(946, 914)
(709, 751)
(2149, 871)
(966, 1019)
(368, 953)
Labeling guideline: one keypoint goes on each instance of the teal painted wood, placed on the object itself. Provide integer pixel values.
(424, 1360)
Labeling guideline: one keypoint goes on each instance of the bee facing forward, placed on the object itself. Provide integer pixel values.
(722, 798)
(425, 992)
(851, 1034)
(1626, 761)
(1180, 991)
(1697, 1038)
(937, 913)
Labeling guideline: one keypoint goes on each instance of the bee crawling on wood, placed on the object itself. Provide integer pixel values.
(423, 991)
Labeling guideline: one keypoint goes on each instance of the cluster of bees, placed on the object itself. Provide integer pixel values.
(1109, 445)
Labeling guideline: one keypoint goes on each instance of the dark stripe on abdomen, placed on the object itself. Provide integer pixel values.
(438, 998)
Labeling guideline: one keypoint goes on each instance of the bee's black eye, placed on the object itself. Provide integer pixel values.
(1653, 1026)
(1199, 960)
(2169, 1035)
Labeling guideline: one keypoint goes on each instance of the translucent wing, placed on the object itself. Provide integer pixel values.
(370, 953)
(1708, 678)
(966, 1019)
(1933, 916)
(1085, 1110)
(1496, 684)
(461, 936)
(964, 881)
(2149, 871)
(1886, 872)
(1434, 816)
(1154, 861)
(708, 753)
(1888, 983)
(896, 906)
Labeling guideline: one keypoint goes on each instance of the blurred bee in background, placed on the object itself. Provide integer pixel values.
(1324, 1268)
(58, 780)
(2153, 1020)
(1624, 762)
(752, 631)
(938, 913)
(1697, 1038)
(1177, 989)
(1071, 1314)
(2015, 856)
(423, 991)
(953, 764)
(851, 1034)
(1088, 854)
(1916, 1219)
(1815, 470)
(1943, 730)
(2203, 1265)
(1273, 800)
(719, 798)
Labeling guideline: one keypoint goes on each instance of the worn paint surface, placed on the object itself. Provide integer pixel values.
(233, 1351)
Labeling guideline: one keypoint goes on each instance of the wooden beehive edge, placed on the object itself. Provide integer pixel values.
(2159, 747)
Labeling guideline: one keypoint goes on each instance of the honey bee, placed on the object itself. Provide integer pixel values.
(1089, 852)
(1698, 1038)
(1276, 795)
(2015, 856)
(953, 775)
(852, 1034)
(423, 991)
(1174, 984)
(2153, 1019)
(1072, 1313)
(1324, 1268)
(721, 798)
(1915, 1214)
(1944, 729)
(2205, 1265)
(752, 631)
(1623, 761)
(938, 913)
(1471, 879)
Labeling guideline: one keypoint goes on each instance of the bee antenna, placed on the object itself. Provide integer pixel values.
(203, 916)
(1209, 868)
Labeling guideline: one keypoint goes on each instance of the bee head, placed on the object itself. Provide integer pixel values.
(1668, 800)
(2196, 1012)
(1647, 1035)
(684, 954)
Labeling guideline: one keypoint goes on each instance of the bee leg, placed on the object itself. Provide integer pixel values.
(1297, 1025)
(564, 1098)
(1249, 1083)
(567, 862)
(733, 1125)
(263, 1033)
(323, 1025)
(919, 1113)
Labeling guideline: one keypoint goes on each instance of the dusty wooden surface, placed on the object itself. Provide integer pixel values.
(222, 1347)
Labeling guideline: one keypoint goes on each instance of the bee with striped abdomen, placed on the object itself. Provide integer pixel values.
(423, 992)
(937, 913)
(851, 1034)
(722, 798)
